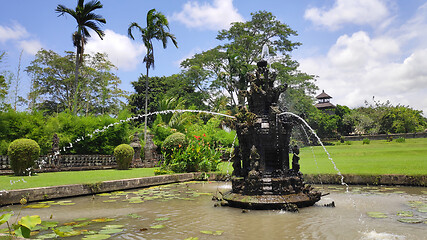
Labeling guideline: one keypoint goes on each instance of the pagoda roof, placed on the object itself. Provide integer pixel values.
(323, 95)
(324, 105)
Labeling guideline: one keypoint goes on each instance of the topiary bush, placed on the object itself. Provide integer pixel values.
(124, 155)
(22, 155)
(174, 141)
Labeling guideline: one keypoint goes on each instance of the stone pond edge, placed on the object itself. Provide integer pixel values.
(54, 192)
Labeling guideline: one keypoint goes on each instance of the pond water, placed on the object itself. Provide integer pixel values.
(186, 211)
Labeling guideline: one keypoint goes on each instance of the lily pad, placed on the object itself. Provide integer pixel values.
(66, 203)
(158, 226)
(30, 221)
(82, 224)
(376, 215)
(422, 209)
(47, 236)
(405, 213)
(80, 219)
(215, 233)
(162, 219)
(38, 205)
(110, 231)
(103, 220)
(104, 194)
(410, 220)
(97, 236)
(112, 226)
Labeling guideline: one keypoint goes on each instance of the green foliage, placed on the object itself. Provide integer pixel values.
(366, 141)
(212, 132)
(401, 119)
(199, 155)
(124, 154)
(324, 124)
(23, 227)
(53, 79)
(70, 129)
(163, 171)
(175, 141)
(22, 154)
(400, 140)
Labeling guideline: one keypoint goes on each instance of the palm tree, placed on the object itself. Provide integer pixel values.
(85, 18)
(157, 28)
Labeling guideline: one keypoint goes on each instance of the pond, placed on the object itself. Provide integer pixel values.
(186, 211)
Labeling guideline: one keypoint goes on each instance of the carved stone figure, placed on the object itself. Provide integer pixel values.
(136, 145)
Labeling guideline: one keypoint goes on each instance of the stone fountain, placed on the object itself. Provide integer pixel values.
(262, 176)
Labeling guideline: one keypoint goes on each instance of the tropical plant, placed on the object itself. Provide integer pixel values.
(23, 227)
(124, 154)
(157, 28)
(23, 153)
(176, 140)
(86, 19)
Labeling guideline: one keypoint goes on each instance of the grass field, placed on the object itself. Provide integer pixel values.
(72, 177)
(378, 157)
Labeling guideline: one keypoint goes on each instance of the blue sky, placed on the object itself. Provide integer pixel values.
(357, 48)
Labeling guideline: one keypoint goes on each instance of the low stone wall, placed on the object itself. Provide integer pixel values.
(420, 181)
(385, 136)
(45, 193)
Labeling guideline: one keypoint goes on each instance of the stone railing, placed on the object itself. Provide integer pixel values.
(67, 161)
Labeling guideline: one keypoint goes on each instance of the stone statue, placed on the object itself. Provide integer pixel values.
(295, 159)
(55, 154)
(136, 145)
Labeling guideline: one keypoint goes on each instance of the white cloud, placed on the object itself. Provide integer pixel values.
(30, 46)
(15, 32)
(390, 66)
(218, 15)
(123, 52)
(360, 12)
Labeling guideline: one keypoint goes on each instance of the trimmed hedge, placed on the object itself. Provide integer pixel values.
(176, 140)
(124, 155)
(22, 154)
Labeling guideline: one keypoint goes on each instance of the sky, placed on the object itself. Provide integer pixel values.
(358, 49)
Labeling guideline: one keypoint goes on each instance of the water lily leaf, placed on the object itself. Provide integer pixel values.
(377, 215)
(38, 205)
(49, 224)
(110, 231)
(23, 231)
(162, 219)
(66, 203)
(405, 213)
(415, 204)
(97, 237)
(157, 226)
(399, 192)
(410, 220)
(104, 194)
(215, 233)
(112, 226)
(64, 229)
(4, 218)
(136, 201)
(30, 221)
(103, 220)
(70, 223)
(114, 197)
(68, 234)
(48, 235)
(82, 224)
(80, 219)
(423, 209)
(133, 215)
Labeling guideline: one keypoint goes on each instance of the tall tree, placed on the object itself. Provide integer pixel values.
(53, 85)
(225, 68)
(157, 28)
(4, 86)
(86, 19)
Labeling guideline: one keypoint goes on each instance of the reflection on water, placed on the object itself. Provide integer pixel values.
(181, 211)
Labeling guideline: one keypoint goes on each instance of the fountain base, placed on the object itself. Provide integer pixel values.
(271, 202)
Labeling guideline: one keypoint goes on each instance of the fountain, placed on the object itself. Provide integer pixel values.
(262, 176)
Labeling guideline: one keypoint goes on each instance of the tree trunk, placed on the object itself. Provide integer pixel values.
(146, 106)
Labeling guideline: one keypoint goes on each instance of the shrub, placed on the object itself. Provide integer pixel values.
(199, 155)
(22, 154)
(347, 143)
(176, 140)
(366, 141)
(124, 154)
(400, 140)
(162, 171)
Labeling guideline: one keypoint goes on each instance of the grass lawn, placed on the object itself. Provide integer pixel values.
(377, 158)
(72, 177)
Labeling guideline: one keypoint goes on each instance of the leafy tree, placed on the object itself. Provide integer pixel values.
(402, 119)
(225, 68)
(86, 19)
(53, 88)
(157, 28)
(4, 86)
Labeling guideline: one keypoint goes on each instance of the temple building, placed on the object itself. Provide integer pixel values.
(324, 103)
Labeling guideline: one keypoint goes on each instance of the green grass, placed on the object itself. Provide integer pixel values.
(377, 158)
(72, 177)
